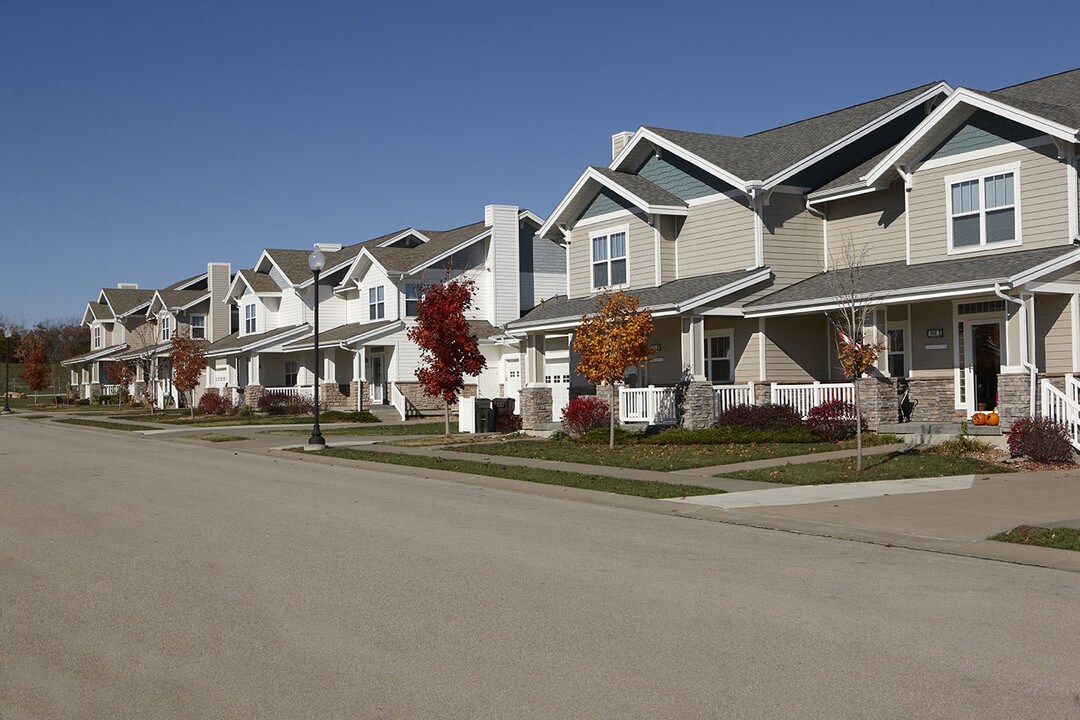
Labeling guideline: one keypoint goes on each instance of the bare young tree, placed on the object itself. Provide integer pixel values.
(856, 300)
(142, 340)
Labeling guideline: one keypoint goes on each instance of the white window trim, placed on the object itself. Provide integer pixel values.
(405, 297)
(198, 315)
(625, 229)
(730, 335)
(981, 174)
(379, 301)
(165, 328)
(254, 319)
(98, 336)
(904, 325)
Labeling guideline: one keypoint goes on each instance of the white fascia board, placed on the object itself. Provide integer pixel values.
(443, 255)
(350, 280)
(88, 312)
(936, 292)
(133, 310)
(90, 357)
(844, 192)
(977, 101)
(193, 303)
(1045, 268)
(232, 293)
(728, 289)
(264, 257)
(571, 321)
(880, 121)
(644, 134)
(376, 332)
(404, 234)
(530, 215)
(190, 282)
(553, 218)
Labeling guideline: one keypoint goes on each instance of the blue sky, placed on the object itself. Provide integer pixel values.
(138, 140)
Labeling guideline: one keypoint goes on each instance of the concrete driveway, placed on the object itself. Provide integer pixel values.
(150, 579)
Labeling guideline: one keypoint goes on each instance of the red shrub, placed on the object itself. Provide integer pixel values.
(507, 423)
(585, 413)
(278, 404)
(833, 421)
(1040, 439)
(215, 404)
(760, 417)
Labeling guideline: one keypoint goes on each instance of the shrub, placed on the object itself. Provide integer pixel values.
(729, 435)
(585, 413)
(599, 436)
(82, 401)
(833, 421)
(278, 404)
(507, 423)
(245, 410)
(354, 416)
(215, 404)
(107, 399)
(1041, 439)
(760, 417)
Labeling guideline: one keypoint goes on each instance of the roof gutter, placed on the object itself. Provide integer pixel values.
(1025, 359)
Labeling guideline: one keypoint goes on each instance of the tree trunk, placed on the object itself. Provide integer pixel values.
(191, 403)
(858, 429)
(447, 418)
(611, 417)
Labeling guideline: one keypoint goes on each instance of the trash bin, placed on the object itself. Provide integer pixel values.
(503, 406)
(485, 416)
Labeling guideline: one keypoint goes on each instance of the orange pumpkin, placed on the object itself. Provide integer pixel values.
(992, 419)
(978, 419)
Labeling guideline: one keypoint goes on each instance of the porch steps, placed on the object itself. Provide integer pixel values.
(924, 433)
(385, 413)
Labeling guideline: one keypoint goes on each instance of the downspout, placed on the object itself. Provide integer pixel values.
(824, 215)
(1025, 360)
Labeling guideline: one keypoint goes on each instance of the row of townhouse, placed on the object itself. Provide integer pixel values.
(962, 205)
(257, 323)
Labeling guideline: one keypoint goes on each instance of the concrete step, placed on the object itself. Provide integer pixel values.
(940, 428)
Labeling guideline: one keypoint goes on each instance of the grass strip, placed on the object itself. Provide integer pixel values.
(435, 428)
(621, 486)
(1052, 537)
(105, 424)
(32, 417)
(220, 437)
(891, 466)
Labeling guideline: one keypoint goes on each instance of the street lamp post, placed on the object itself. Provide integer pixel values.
(7, 371)
(316, 261)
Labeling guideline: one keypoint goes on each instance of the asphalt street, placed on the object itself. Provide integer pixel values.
(146, 578)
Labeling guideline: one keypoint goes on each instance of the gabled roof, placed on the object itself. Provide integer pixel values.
(98, 311)
(124, 301)
(176, 299)
(675, 296)
(183, 284)
(1055, 97)
(441, 243)
(237, 343)
(898, 281)
(259, 282)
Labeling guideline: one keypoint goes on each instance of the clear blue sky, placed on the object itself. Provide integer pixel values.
(139, 140)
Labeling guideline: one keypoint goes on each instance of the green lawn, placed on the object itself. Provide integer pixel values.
(435, 428)
(1052, 537)
(32, 417)
(647, 457)
(891, 466)
(620, 486)
(220, 437)
(105, 424)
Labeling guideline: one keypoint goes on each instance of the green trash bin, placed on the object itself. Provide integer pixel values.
(485, 416)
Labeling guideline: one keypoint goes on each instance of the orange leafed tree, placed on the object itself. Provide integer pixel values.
(188, 360)
(35, 372)
(611, 341)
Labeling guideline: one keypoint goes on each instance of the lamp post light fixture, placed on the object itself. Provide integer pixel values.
(316, 261)
(7, 370)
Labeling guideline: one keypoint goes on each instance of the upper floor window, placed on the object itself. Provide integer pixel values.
(97, 336)
(983, 211)
(376, 303)
(198, 327)
(166, 327)
(412, 299)
(249, 319)
(608, 259)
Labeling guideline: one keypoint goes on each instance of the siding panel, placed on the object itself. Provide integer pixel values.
(793, 240)
(1053, 333)
(716, 237)
(873, 222)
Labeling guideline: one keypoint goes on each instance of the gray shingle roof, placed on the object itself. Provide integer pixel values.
(235, 341)
(761, 155)
(398, 259)
(851, 177)
(259, 282)
(124, 300)
(671, 293)
(99, 354)
(181, 298)
(338, 334)
(185, 281)
(101, 311)
(1055, 97)
(642, 188)
(898, 277)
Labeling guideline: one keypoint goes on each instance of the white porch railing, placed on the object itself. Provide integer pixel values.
(110, 389)
(306, 392)
(398, 401)
(653, 405)
(1072, 388)
(1062, 408)
(728, 396)
(804, 396)
(221, 378)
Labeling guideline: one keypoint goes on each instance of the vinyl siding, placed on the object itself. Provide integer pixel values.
(793, 240)
(872, 223)
(605, 202)
(716, 237)
(668, 227)
(795, 349)
(681, 178)
(745, 342)
(983, 130)
(373, 278)
(1043, 203)
(668, 370)
(1053, 333)
(640, 254)
(926, 316)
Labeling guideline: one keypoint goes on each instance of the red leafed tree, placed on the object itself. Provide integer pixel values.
(448, 348)
(35, 372)
(121, 374)
(188, 360)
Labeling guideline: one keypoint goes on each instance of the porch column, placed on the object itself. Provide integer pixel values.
(254, 390)
(536, 402)
(693, 347)
(534, 360)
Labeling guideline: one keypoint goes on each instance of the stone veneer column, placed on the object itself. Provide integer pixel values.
(330, 395)
(536, 407)
(95, 391)
(252, 393)
(1014, 398)
(698, 406)
(610, 395)
(762, 392)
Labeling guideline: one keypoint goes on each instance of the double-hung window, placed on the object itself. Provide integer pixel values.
(412, 299)
(984, 211)
(719, 358)
(198, 327)
(97, 336)
(376, 303)
(897, 354)
(608, 259)
(292, 372)
(249, 319)
(166, 327)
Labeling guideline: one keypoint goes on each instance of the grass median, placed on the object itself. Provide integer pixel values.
(1061, 538)
(891, 466)
(435, 428)
(621, 486)
(105, 424)
(220, 437)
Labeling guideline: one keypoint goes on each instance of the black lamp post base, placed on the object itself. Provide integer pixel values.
(315, 442)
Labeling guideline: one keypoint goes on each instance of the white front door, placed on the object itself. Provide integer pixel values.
(377, 379)
(558, 377)
(512, 379)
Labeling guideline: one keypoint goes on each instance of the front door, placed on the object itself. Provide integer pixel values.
(984, 350)
(377, 379)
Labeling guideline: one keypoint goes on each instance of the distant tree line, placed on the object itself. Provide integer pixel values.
(41, 348)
